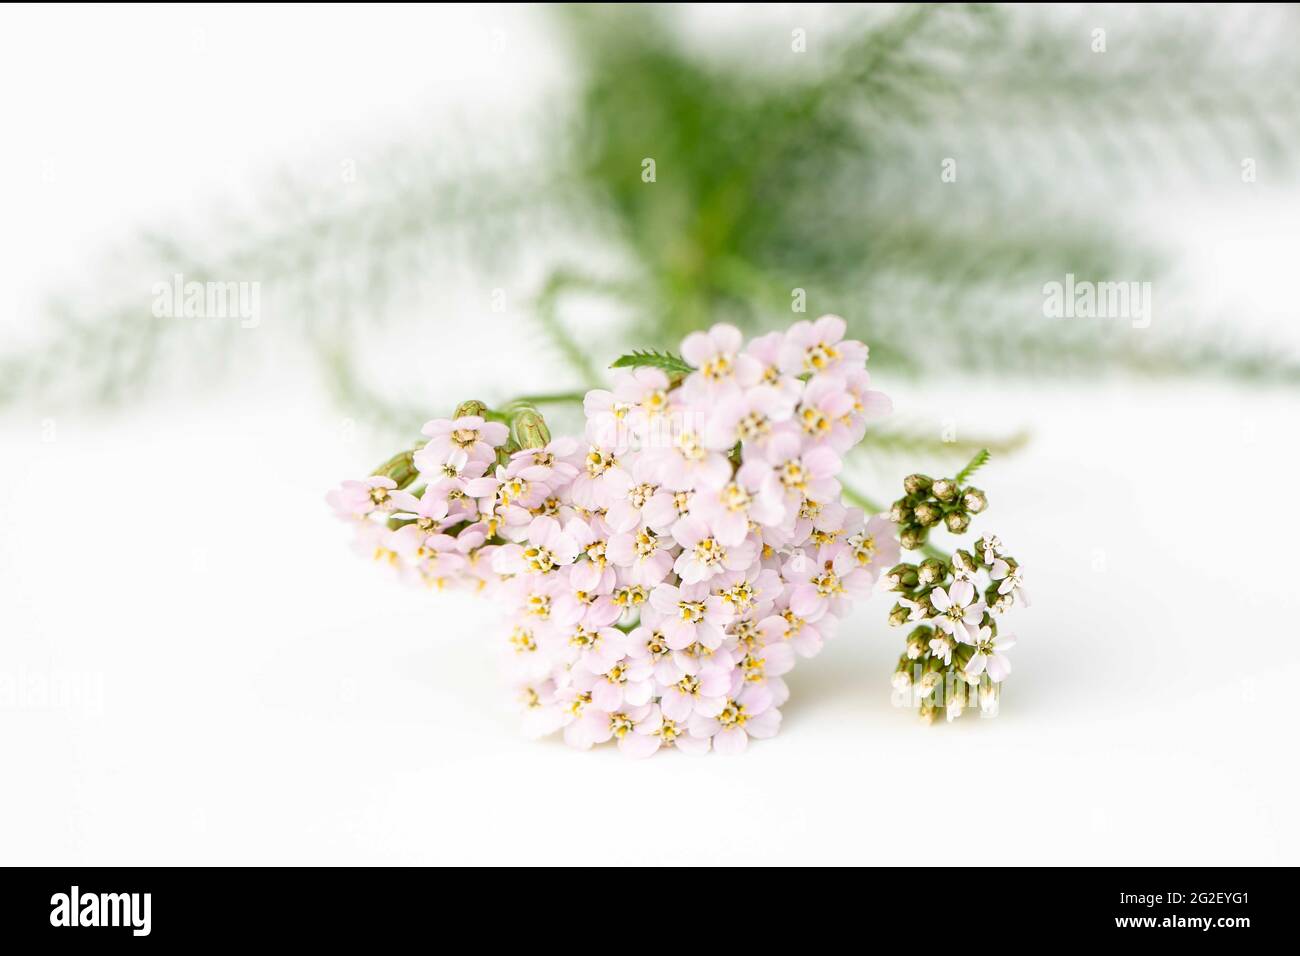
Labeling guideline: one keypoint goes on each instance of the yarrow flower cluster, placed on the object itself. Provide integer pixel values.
(661, 574)
(955, 654)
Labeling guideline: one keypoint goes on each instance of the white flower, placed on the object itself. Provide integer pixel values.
(959, 611)
(1012, 580)
(941, 647)
(989, 694)
(989, 656)
(956, 702)
(990, 546)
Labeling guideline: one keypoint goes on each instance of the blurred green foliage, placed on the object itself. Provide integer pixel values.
(775, 170)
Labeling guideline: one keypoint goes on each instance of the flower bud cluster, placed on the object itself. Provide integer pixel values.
(955, 655)
(933, 502)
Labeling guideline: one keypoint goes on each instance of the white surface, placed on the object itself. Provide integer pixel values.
(239, 688)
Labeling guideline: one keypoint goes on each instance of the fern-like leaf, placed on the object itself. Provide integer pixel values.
(975, 464)
(670, 363)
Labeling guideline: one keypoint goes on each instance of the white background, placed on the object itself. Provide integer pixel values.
(200, 671)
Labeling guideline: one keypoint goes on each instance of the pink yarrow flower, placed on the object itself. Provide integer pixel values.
(816, 347)
(660, 731)
(470, 434)
(750, 714)
(703, 556)
(719, 362)
(820, 583)
(702, 693)
(356, 499)
(690, 615)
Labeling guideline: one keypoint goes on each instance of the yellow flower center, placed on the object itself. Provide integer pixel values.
(512, 490)
(539, 605)
(792, 475)
(820, 356)
(717, 368)
(646, 543)
(634, 595)
(709, 553)
(539, 560)
(692, 612)
(598, 462)
(752, 427)
(828, 583)
(620, 724)
(733, 715)
(735, 498)
(688, 444)
(640, 494)
(814, 422)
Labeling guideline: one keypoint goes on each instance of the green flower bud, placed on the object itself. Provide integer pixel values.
(931, 571)
(898, 615)
(917, 484)
(923, 602)
(471, 407)
(928, 514)
(901, 577)
(957, 521)
(974, 501)
(529, 430)
(963, 560)
(900, 512)
(945, 489)
(401, 468)
(912, 537)
(918, 642)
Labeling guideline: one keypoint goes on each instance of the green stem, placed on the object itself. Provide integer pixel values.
(555, 398)
(930, 551)
(861, 500)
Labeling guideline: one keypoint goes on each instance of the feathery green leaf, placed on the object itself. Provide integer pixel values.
(975, 464)
(673, 364)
